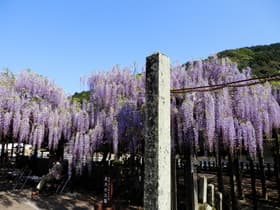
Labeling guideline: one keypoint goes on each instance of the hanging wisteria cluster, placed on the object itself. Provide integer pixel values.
(118, 97)
(35, 111)
(240, 117)
(32, 109)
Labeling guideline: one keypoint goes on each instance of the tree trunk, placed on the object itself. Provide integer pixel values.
(173, 182)
(12, 150)
(34, 160)
(190, 180)
(18, 149)
(234, 203)
(262, 173)
(2, 154)
(23, 149)
(60, 150)
(220, 172)
(238, 175)
(277, 160)
(253, 184)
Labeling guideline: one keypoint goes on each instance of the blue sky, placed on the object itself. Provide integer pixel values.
(67, 39)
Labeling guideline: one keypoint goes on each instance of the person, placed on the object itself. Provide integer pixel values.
(55, 173)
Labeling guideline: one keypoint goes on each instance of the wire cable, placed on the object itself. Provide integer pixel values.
(234, 84)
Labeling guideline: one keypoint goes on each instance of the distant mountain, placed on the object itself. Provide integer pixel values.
(263, 59)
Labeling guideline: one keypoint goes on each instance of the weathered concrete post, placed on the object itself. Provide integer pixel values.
(157, 157)
(202, 192)
(210, 194)
(219, 201)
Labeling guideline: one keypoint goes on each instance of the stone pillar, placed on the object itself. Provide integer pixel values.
(210, 194)
(219, 201)
(157, 156)
(202, 189)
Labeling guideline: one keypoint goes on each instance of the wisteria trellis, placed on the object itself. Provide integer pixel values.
(34, 110)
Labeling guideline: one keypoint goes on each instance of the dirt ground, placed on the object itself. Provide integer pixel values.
(21, 199)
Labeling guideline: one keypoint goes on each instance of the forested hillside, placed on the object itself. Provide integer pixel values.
(263, 59)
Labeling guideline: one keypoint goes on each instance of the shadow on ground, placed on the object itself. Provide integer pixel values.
(73, 201)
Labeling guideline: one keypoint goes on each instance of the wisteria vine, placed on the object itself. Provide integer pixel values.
(35, 111)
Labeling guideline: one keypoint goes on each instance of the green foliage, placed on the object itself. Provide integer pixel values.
(263, 59)
(82, 96)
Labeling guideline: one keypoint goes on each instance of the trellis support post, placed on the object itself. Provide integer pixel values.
(157, 156)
